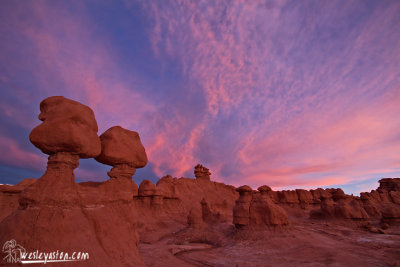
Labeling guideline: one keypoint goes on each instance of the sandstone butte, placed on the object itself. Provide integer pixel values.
(183, 221)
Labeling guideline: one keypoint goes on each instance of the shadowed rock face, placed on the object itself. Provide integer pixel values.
(195, 218)
(389, 184)
(68, 126)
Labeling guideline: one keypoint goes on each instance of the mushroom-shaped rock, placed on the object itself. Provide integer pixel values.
(201, 172)
(147, 189)
(241, 211)
(121, 146)
(244, 188)
(52, 207)
(122, 149)
(68, 126)
(68, 132)
(264, 189)
(245, 193)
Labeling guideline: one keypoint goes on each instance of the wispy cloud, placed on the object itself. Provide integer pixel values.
(278, 92)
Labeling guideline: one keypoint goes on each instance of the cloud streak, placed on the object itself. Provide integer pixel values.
(284, 93)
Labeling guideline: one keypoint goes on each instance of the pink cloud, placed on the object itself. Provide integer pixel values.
(275, 110)
(18, 157)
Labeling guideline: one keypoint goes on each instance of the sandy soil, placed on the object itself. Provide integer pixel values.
(306, 243)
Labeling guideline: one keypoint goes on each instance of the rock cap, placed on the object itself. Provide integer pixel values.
(122, 146)
(68, 126)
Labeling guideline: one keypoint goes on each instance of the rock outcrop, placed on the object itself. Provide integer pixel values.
(201, 172)
(68, 126)
(389, 184)
(195, 218)
(378, 204)
(122, 149)
(107, 219)
(264, 213)
(384, 202)
(147, 189)
(256, 210)
(55, 213)
(177, 201)
(241, 211)
(9, 195)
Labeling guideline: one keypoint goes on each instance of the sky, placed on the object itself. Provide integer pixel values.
(291, 94)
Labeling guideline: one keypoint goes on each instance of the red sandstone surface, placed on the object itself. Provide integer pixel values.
(184, 221)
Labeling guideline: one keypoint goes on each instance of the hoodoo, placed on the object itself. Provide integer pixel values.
(55, 213)
(181, 220)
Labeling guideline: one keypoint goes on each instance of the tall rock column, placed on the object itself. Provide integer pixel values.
(54, 213)
(68, 132)
(241, 211)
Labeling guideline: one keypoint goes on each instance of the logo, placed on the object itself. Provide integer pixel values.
(13, 251)
(17, 254)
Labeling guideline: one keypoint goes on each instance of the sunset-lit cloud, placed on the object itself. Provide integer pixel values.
(284, 93)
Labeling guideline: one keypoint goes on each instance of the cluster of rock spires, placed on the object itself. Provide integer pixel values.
(108, 219)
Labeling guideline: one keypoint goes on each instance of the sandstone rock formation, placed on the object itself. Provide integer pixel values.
(51, 209)
(241, 211)
(195, 218)
(264, 213)
(340, 206)
(201, 172)
(147, 189)
(175, 202)
(389, 185)
(9, 195)
(109, 219)
(123, 150)
(383, 203)
(256, 210)
(68, 126)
